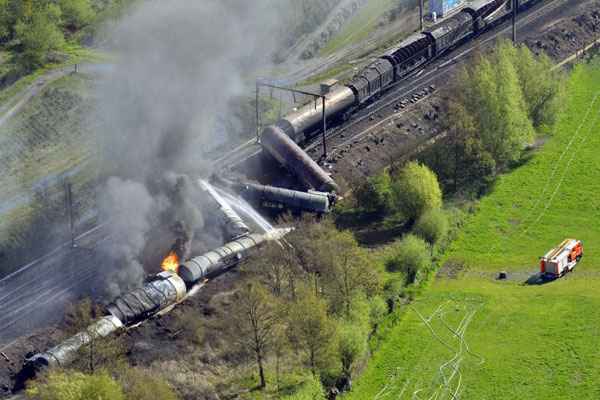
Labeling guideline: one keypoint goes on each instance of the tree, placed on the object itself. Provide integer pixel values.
(345, 271)
(352, 344)
(411, 258)
(276, 267)
(5, 20)
(375, 194)
(378, 310)
(76, 13)
(39, 35)
(61, 385)
(432, 226)
(540, 82)
(140, 385)
(255, 319)
(313, 331)
(492, 95)
(416, 190)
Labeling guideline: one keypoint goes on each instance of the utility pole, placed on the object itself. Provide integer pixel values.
(421, 13)
(324, 129)
(69, 209)
(315, 96)
(257, 113)
(514, 21)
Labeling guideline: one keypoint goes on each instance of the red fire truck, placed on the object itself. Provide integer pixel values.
(562, 258)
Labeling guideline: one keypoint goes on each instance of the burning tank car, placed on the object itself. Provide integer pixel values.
(280, 140)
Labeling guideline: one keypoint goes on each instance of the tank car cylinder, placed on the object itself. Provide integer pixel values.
(65, 353)
(290, 155)
(218, 260)
(315, 202)
(166, 289)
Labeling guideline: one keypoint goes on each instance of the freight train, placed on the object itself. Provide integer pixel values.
(281, 140)
(159, 294)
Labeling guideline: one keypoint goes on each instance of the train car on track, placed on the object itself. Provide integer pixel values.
(396, 64)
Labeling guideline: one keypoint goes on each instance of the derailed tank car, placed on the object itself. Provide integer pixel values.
(166, 289)
(289, 154)
(206, 265)
(274, 197)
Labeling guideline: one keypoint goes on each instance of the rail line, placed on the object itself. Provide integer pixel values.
(426, 78)
(408, 85)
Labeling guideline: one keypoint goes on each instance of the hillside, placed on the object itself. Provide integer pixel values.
(473, 335)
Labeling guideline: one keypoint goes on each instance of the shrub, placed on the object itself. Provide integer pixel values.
(60, 385)
(375, 195)
(412, 258)
(432, 226)
(378, 310)
(76, 13)
(351, 346)
(416, 190)
(39, 36)
(310, 389)
(140, 385)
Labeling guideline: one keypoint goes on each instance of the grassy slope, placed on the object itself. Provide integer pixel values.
(359, 27)
(536, 341)
(50, 137)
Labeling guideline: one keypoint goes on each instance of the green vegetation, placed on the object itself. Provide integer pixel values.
(133, 384)
(76, 386)
(49, 149)
(141, 385)
(37, 34)
(432, 226)
(472, 336)
(412, 259)
(500, 103)
(416, 191)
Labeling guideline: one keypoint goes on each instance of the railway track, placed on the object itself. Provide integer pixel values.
(21, 294)
(423, 78)
(415, 82)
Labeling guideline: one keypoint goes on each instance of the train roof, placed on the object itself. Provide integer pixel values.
(449, 25)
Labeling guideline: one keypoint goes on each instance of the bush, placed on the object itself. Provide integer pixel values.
(39, 36)
(416, 190)
(379, 310)
(60, 385)
(76, 13)
(351, 346)
(310, 389)
(375, 195)
(140, 385)
(412, 258)
(432, 226)
(191, 326)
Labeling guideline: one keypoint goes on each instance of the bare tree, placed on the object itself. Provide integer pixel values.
(255, 319)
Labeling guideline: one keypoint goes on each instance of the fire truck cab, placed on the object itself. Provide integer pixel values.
(561, 259)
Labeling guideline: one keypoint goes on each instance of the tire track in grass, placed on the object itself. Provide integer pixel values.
(450, 371)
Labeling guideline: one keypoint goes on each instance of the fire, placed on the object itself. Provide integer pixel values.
(171, 262)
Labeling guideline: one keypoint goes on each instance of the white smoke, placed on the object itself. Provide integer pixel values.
(181, 64)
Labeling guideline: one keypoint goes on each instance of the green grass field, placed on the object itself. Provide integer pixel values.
(479, 338)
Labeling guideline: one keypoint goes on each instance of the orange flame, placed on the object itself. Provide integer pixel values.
(171, 262)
